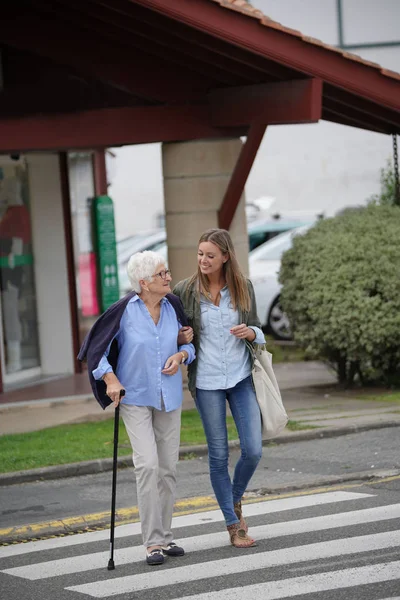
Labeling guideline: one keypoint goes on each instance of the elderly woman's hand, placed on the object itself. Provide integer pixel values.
(172, 364)
(185, 336)
(114, 388)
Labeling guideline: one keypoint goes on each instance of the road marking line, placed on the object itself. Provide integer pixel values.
(97, 560)
(228, 566)
(122, 514)
(308, 584)
(193, 519)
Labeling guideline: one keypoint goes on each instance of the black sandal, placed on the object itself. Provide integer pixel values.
(155, 557)
(173, 550)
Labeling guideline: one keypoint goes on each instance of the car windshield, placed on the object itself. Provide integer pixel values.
(273, 249)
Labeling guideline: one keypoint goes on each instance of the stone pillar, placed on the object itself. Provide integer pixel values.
(196, 175)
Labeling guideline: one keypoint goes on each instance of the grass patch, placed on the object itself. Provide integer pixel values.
(87, 441)
(389, 397)
(298, 426)
(192, 429)
(83, 441)
(60, 445)
(284, 352)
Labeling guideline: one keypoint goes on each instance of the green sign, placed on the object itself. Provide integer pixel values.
(16, 260)
(106, 250)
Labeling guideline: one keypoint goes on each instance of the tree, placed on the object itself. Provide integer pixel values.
(341, 291)
(387, 194)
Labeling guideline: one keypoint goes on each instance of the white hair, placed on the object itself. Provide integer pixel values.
(142, 265)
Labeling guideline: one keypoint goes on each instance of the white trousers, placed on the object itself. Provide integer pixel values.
(155, 437)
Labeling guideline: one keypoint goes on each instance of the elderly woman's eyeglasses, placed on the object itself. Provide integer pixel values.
(163, 274)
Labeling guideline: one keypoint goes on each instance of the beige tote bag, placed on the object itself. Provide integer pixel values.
(273, 413)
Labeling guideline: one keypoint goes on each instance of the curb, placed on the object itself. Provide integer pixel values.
(46, 402)
(92, 467)
(101, 521)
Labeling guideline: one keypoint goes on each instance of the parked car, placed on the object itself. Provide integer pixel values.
(145, 240)
(263, 230)
(259, 232)
(264, 265)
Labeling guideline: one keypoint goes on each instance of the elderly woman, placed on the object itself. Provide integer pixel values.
(142, 330)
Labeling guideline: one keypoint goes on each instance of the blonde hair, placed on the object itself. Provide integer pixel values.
(235, 280)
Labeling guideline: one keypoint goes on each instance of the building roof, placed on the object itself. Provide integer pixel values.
(251, 11)
(174, 70)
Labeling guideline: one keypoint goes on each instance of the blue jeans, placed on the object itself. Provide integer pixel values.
(211, 405)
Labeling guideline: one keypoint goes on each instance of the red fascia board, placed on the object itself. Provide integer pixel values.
(285, 48)
(110, 127)
(298, 101)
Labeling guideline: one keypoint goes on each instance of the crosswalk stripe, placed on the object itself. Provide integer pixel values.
(88, 562)
(254, 509)
(308, 584)
(207, 570)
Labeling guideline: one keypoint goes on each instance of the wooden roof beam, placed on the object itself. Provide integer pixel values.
(138, 34)
(197, 39)
(291, 51)
(367, 108)
(298, 101)
(239, 176)
(111, 127)
(116, 65)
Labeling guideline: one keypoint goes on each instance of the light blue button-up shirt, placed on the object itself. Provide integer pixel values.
(144, 348)
(223, 359)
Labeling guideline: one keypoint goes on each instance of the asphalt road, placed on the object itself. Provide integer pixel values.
(293, 465)
(337, 545)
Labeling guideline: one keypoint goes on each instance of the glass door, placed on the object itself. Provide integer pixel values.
(19, 329)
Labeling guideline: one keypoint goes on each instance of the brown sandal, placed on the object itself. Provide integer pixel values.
(239, 537)
(238, 512)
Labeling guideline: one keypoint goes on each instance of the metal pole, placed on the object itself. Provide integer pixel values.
(340, 22)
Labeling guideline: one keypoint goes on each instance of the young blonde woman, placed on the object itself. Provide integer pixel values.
(220, 305)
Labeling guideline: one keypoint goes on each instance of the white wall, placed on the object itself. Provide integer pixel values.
(136, 188)
(50, 265)
(324, 167)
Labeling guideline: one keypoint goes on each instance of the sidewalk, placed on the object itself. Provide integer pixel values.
(70, 399)
(308, 392)
(307, 388)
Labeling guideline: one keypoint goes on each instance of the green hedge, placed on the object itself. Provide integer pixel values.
(341, 291)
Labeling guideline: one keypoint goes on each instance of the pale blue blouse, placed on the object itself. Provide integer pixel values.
(223, 359)
(143, 350)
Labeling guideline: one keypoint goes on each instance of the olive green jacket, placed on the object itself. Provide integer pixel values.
(191, 303)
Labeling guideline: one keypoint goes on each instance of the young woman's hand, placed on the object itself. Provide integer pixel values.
(172, 364)
(243, 332)
(185, 336)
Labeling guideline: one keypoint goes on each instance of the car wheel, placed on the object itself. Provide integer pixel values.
(278, 322)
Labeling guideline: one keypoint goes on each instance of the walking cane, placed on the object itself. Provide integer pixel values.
(111, 565)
